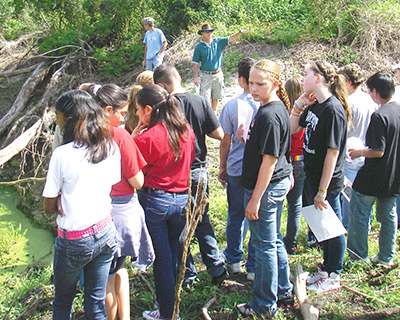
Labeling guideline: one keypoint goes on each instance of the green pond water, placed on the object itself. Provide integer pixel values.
(36, 244)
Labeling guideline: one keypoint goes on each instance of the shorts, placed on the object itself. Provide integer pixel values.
(116, 264)
(212, 86)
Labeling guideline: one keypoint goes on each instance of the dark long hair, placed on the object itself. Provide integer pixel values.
(108, 94)
(85, 124)
(165, 111)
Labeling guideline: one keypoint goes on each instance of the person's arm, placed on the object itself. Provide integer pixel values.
(298, 107)
(196, 74)
(137, 180)
(224, 148)
(50, 205)
(367, 152)
(144, 60)
(264, 177)
(237, 35)
(217, 134)
(164, 46)
(327, 173)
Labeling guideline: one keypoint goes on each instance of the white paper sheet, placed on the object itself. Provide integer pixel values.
(324, 224)
(245, 115)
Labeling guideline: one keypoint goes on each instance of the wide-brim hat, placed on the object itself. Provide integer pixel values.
(205, 27)
(396, 66)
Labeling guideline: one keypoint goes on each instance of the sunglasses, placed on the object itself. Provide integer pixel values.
(208, 31)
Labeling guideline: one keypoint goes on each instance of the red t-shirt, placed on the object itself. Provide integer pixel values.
(163, 171)
(131, 162)
(296, 146)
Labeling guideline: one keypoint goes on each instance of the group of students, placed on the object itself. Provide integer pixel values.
(95, 170)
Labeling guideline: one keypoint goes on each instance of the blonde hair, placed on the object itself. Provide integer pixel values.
(132, 119)
(272, 70)
(145, 78)
(335, 82)
(294, 88)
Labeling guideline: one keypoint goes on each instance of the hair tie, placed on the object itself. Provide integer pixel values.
(96, 88)
(166, 95)
(335, 76)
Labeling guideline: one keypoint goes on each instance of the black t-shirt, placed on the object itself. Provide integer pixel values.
(203, 121)
(381, 176)
(269, 133)
(326, 127)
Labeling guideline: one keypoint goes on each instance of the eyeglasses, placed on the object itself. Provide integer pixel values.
(208, 31)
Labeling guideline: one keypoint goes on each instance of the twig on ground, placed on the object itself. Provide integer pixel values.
(362, 294)
(147, 284)
(204, 310)
(378, 315)
(352, 252)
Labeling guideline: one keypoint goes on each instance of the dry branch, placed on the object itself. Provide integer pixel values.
(12, 73)
(362, 294)
(307, 309)
(193, 217)
(19, 181)
(377, 315)
(24, 95)
(20, 143)
(204, 310)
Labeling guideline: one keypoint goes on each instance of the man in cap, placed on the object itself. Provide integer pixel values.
(207, 57)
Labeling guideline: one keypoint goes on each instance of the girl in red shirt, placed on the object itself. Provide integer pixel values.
(166, 142)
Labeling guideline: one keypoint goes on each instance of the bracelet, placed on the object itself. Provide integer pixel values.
(362, 152)
(322, 190)
(321, 194)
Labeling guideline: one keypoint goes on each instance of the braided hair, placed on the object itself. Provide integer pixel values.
(272, 69)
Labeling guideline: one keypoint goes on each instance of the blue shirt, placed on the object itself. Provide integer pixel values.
(154, 41)
(229, 122)
(210, 55)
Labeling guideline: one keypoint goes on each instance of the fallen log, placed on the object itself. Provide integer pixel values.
(20, 143)
(24, 95)
(307, 309)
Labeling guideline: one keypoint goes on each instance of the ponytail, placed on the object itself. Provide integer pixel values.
(165, 111)
(272, 69)
(335, 82)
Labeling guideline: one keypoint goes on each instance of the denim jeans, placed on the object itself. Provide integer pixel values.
(237, 225)
(335, 248)
(272, 267)
(295, 203)
(398, 211)
(165, 219)
(350, 172)
(91, 254)
(360, 213)
(209, 251)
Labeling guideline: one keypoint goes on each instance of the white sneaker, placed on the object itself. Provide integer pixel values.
(234, 267)
(251, 276)
(318, 276)
(376, 260)
(332, 283)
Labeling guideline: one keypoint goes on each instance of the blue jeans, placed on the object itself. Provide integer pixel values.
(272, 267)
(153, 63)
(91, 254)
(209, 251)
(237, 225)
(398, 211)
(334, 248)
(295, 203)
(165, 219)
(360, 213)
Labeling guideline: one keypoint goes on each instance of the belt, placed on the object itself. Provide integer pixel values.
(154, 190)
(85, 232)
(211, 72)
(297, 158)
